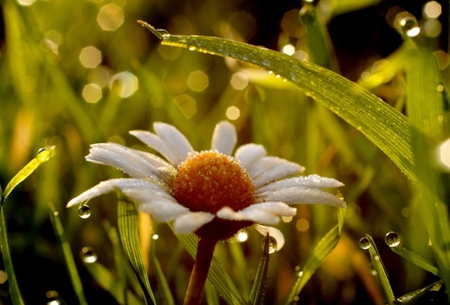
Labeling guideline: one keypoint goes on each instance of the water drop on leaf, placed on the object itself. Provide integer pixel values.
(392, 239)
(409, 26)
(84, 211)
(88, 255)
(164, 34)
(364, 243)
(192, 48)
(272, 244)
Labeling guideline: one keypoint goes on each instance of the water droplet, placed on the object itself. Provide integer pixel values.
(364, 243)
(272, 244)
(53, 297)
(155, 236)
(163, 33)
(41, 157)
(192, 48)
(409, 26)
(392, 239)
(88, 255)
(300, 274)
(55, 213)
(84, 211)
(270, 72)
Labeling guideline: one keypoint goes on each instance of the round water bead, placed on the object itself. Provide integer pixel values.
(84, 211)
(364, 243)
(392, 239)
(88, 255)
(272, 244)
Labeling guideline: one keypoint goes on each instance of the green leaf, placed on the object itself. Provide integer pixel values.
(128, 230)
(380, 123)
(164, 289)
(417, 260)
(69, 261)
(381, 271)
(44, 154)
(320, 252)
(259, 285)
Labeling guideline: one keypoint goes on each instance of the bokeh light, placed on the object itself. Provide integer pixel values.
(90, 57)
(239, 80)
(26, 2)
(233, 113)
(443, 155)
(128, 83)
(186, 104)
(432, 9)
(198, 81)
(302, 225)
(92, 93)
(110, 17)
(288, 49)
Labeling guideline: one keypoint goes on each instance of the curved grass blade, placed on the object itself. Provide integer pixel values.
(163, 285)
(417, 260)
(414, 297)
(381, 271)
(128, 231)
(257, 293)
(69, 261)
(320, 252)
(107, 281)
(380, 123)
(216, 275)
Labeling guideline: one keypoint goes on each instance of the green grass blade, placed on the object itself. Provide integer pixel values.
(320, 252)
(259, 285)
(43, 155)
(107, 281)
(414, 297)
(380, 123)
(381, 271)
(216, 275)
(164, 289)
(69, 261)
(128, 231)
(417, 260)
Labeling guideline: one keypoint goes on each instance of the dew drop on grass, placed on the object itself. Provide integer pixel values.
(410, 27)
(364, 243)
(44, 157)
(192, 48)
(392, 239)
(164, 34)
(272, 244)
(88, 255)
(84, 211)
(53, 297)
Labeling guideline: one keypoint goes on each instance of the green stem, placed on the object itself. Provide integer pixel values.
(205, 250)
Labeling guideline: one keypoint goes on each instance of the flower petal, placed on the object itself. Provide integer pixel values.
(126, 159)
(311, 181)
(163, 210)
(191, 222)
(249, 153)
(275, 233)
(224, 138)
(298, 196)
(112, 185)
(266, 212)
(269, 169)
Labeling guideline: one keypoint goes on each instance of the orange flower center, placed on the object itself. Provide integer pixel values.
(208, 181)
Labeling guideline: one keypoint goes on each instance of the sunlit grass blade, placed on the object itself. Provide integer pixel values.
(381, 271)
(164, 290)
(69, 260)
(43, 155)
(259, 285)
(320, 252)
(128, 231)
(414, 297)
(240, 263)
(380, 123)
(216, 275)
(425, 108)
(212, 297)
(417, 260)
(107, 281)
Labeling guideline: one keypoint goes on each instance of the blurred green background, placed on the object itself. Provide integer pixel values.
(75, 73)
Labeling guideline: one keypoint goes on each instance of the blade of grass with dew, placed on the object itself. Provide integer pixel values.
(164, 289)
(216, 275)
(320, 252)
(108, 282)
(417, 260)
(381, 271)
(127, 220)
(259, 285)
(212, 298)
(69, 261)
(414, 297)
(425, 108)
(380, 123)
(43, 156)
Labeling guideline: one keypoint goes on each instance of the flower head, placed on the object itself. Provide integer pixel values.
(209, 192)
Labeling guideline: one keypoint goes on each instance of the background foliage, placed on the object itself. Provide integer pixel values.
(76, 73)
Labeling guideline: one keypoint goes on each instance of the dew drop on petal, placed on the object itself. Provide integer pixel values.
(88, 255)
(84, 211)
(364, 243)
(392, 239)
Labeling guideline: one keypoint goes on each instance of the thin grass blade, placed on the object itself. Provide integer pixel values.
(128, 231)
(414, 297)
(164, 289)
(258, 289)
(417, 260)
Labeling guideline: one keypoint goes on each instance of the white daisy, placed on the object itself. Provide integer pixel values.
(209, 192)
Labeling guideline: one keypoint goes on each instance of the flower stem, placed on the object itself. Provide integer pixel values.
(205, 250)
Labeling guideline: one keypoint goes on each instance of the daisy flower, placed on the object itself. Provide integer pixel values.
(211, 192)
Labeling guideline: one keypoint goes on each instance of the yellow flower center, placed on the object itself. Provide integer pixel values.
(208, 181)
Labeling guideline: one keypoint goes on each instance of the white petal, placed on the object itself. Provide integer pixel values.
(126, 159)
(224, 138)
(298, 196)
(163, 210)
(249, 153)
(112, 185)
(275, 233)
(311, 181)
(191, 222)
(269, 169)
(266, 213)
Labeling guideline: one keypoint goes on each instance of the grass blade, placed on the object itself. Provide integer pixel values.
(257, 292)
(128, 231)
(163, 285)
(69, 261)
(417, 260)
